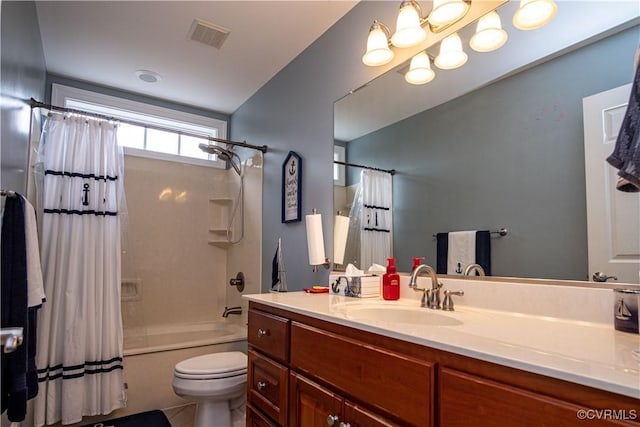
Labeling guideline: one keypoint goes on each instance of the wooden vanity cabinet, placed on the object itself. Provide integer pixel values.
(466, 399)
(303, 370)
(315, 406)
(324, 372)
(268, 371)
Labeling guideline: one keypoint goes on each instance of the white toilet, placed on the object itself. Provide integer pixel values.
(217, 383)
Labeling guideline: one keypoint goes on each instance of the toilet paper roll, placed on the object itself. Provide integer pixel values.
(340, 232)
(315, 240)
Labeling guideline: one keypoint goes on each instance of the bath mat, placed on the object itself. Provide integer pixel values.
(154, 418)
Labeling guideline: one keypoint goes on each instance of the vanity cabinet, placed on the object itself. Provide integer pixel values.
(466, 398)
(300, 374)
(315, 406)
(306, 372)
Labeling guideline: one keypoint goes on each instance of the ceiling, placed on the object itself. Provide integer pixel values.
(105, 42)
(389, 98)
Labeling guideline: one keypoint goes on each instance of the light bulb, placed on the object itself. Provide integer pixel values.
(447, 11)
(489, 34)
(378, 52)
(534, 14)
(420, 71)
(408, 30)
(451, 54)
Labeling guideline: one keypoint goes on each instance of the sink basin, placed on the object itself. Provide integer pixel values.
(407, 315)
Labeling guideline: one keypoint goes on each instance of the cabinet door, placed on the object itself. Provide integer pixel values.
(312, 405)
(357, 416)
(466, 400)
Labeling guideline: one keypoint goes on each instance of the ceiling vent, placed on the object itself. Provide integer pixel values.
(208, 33)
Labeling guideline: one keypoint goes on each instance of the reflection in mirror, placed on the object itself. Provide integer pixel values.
(478, 149)
(368, 203)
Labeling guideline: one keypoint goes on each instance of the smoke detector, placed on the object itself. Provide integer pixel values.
(208, 33)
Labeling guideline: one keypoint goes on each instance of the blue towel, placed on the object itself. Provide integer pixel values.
(14, 308)
(483, 251)
(626, 154)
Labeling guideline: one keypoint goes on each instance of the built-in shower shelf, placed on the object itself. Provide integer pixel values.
(221, 200)
(219, 214)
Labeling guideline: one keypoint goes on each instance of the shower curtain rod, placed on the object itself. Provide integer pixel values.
(38, 104)
(391, 171)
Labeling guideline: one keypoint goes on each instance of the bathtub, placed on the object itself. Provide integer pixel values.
(175, 337)
(149, 360)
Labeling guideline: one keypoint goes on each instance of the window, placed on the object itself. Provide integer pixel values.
(149, 140)
(338, 170)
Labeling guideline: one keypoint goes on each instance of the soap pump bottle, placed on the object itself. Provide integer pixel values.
(391, 282)
(416, 262)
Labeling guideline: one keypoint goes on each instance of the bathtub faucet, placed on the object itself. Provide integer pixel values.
(231, 310)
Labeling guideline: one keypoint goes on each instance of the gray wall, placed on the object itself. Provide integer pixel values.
(508, 155)
(294, 111)
(23, 77)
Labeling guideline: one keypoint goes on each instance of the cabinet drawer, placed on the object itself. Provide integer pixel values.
(385, 381)
(467, 399)
(256, 419)
(270, 334)
(267, 386)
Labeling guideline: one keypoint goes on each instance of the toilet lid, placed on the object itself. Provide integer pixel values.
(216, 365)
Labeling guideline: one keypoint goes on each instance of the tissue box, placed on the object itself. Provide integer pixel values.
(356, 286)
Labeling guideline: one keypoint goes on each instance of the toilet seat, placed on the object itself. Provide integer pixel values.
(212, 366)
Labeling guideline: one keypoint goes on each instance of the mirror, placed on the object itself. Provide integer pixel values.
(496, 143)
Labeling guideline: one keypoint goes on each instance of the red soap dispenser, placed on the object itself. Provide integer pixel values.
(416, 262)
(391, 281)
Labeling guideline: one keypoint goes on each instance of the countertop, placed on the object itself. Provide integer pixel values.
(587, 353)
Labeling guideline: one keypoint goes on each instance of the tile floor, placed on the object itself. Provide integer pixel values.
(182, 416)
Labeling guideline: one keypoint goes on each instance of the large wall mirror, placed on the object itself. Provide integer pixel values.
(499, 142)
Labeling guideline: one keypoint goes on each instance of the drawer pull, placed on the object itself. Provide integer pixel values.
(332, 419)
(344, 425)
(263, 332)
(261, 385)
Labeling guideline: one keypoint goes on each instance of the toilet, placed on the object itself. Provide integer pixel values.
(217, 383)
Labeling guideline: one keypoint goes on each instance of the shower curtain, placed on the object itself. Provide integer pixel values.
(79, 356)
(371, 220)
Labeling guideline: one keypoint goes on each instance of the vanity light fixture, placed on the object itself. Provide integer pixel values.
(534, 14)
(409, 31)
(378, 51)
(420, 71)
(489, 34)
(446, 12)
(451, 54)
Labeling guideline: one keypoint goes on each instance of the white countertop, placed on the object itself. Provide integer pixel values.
(588, 353)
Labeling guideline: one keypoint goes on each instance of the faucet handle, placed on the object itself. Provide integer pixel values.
(447, 304)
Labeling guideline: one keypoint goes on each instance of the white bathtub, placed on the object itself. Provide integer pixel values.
(174, 337)
(150, 359)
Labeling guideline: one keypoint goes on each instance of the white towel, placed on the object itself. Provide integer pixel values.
(35, 285)
(461, 252)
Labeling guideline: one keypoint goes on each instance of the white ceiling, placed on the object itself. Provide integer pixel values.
(389, 98)
(105, 42)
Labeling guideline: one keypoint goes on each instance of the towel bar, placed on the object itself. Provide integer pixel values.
(502, 232)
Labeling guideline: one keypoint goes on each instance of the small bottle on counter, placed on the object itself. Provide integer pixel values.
(416, 262)
(391, 281)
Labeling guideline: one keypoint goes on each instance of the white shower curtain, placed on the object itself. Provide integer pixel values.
(371, 220)
(79, 355)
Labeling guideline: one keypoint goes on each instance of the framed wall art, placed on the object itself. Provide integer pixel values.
(292, 188)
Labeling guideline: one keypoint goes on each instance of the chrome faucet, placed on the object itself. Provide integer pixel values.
(471, 267)
(231, 310)
(430, 297)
